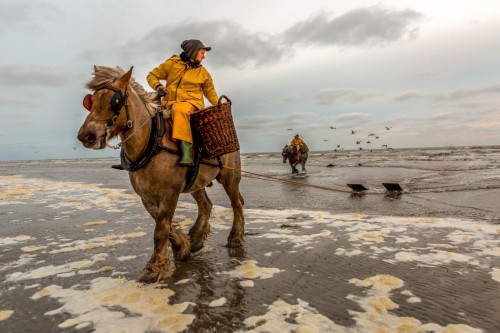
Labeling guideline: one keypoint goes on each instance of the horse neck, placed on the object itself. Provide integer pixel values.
(136, 139)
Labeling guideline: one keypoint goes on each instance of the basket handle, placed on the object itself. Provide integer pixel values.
(220, 99)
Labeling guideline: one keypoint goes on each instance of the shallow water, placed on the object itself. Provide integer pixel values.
(74, 238)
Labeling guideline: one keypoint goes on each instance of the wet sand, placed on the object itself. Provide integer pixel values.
(74, 239)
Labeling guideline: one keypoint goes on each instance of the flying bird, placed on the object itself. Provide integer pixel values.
(371, 134)
(368, 142)
(331, 127)
(358, 142)
(384, 146)
(290, 129)
(388, 127)
(353, 131)
(325, 140)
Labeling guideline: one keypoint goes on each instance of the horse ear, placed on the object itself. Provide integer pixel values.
(125, 79)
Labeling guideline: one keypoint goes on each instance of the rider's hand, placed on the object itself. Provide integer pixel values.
(161, 91)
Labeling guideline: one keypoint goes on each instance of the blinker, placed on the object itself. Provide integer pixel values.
(87, 102)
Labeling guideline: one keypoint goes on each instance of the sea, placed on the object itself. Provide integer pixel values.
(415, 248)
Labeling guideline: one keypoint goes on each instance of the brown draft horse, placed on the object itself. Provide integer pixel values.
(119, 106)
(290, 152)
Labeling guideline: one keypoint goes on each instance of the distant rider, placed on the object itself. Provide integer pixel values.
(297, 142)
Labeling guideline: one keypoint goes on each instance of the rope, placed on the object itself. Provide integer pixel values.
(281, 180)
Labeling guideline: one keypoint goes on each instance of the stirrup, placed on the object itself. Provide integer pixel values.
(187, 164)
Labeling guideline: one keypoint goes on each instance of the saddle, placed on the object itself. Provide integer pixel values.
(155, 145)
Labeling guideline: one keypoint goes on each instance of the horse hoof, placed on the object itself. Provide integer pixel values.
(196, 247)
(185, 256)
(149, 277)
(234, 243)
(181, 253)
(153, 273)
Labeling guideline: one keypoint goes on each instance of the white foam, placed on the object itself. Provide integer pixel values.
(218, 302)
(495, 274)
(106, 304)
(250, 270)
(5, 314)
(63, 270)
(14, 240)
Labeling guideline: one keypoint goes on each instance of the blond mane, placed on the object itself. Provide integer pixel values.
(104, 76)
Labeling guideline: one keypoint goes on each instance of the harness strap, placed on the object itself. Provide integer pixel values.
(155, 145)
(152, 148)
(192, 174)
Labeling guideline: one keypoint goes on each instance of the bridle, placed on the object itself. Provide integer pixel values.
(117, 102)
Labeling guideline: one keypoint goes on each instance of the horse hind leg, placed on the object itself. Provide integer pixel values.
(201, 228)
(180, 244)
(230, 181)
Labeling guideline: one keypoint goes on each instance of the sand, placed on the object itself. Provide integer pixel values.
(74, 239)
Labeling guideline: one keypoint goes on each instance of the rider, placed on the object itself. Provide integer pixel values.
(297, 142)
(186, 82)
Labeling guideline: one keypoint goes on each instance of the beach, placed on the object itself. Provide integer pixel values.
(317, 258)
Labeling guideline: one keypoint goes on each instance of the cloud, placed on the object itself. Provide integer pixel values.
(332, 96)
(266, 122)
(284, 101)
(363, 26)
(302, 121)
(236, 47)
(233, 46)
(32, 74)
(30, 15)
(461, 93)
(18, 102)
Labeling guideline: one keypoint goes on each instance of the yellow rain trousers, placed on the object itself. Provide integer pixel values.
(181, 112)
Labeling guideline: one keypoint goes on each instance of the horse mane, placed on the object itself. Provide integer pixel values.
(104, 76)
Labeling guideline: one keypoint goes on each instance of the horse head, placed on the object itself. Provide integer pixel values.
(105, 119)
(286, 153)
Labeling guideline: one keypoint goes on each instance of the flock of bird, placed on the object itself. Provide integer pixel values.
(358, 142)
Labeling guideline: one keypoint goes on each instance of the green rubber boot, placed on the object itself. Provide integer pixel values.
(186, 149)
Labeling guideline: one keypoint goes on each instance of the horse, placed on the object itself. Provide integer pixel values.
(160, 180)
(290, 152)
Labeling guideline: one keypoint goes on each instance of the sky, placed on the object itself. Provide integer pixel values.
(401, 74)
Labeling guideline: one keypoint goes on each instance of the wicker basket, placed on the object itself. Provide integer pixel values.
(213, 130)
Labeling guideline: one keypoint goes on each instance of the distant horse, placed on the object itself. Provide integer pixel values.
(290, 152)
(119, 106)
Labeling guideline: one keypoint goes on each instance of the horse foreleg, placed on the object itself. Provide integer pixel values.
(201, 228)
(159, 267)
(230, 181)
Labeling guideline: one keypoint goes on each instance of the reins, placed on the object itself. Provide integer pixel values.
(120, 144)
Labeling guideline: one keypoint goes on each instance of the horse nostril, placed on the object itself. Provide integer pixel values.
(91, 138)
(86, 137)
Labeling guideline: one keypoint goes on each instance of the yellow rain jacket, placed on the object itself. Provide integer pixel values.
(185, 88)
(297, 142)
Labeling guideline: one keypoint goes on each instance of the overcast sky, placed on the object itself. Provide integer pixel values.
(428, 70)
